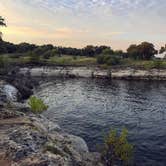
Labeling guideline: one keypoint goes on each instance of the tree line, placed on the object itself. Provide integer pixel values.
(144, 51)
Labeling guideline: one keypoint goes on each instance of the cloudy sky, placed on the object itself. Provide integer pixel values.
(77, 23)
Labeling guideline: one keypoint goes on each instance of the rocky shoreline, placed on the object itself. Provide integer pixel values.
(94, 72)
(27, 139)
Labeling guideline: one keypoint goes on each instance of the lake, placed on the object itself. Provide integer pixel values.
(91, 107)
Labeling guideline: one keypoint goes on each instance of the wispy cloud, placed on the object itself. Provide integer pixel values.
(85, 21)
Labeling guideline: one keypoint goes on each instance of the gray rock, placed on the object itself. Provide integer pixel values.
(45, 124)
(77, 143)
(25, 141)
(11, 92)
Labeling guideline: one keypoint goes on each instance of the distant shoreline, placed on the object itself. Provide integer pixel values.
(94, 72)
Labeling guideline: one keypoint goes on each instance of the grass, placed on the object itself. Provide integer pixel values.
(72, 60)
(67, 60)
(144, 64)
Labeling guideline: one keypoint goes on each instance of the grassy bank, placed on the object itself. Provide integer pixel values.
(66, 60)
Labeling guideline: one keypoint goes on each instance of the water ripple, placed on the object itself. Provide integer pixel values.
(89, 108)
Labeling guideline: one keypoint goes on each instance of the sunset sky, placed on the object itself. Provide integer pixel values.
(77, 23)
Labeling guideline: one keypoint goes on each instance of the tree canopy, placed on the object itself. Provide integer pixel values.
(2, 23)
(144, 51)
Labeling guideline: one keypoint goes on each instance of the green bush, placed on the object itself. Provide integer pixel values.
(33, 58)
(37, 105)
(114, 60)
(100, 59)
(110, 60)
(50, 53)
(117, 149)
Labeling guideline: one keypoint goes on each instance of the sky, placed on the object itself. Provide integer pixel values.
(77, 23)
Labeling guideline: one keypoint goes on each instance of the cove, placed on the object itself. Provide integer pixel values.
(89, 108)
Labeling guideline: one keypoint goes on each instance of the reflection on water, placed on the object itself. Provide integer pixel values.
(89, 108)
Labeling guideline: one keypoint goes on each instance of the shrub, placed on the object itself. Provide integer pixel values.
(117, 149)
(33, 58)
(113, 60)
(50, 53)
(37, 105)
(100, 59)
(109, 60)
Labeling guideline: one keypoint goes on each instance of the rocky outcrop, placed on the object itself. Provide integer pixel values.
(23, 82)
(32, 140)
(127, 73)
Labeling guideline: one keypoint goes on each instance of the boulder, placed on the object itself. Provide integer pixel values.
(8, 93)
(11, 92)
(77, 143)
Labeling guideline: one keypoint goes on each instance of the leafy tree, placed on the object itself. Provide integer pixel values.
(107, 51)
(89, 51)
(25, 47)
(144, 51)
(117, 149)
(2, 23)
(120, 53)
(99, 49)
(133, 51)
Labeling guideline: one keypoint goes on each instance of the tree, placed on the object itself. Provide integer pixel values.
(144, 51)
(117, 149)
(133, 51)
(107, 51)
(89, 51)
(25, 47)
(2, 23)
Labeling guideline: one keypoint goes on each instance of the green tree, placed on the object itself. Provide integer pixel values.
(144, 51)
(2, 23)
(107, 51)
(117, 149)
(133, 51)
(89, 51)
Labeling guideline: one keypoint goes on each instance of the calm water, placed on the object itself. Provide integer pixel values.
(89, 108)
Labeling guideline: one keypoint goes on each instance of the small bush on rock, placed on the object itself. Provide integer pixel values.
(37, 105)
(117, 149)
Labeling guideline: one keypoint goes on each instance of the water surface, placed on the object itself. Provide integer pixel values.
(89, 108)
